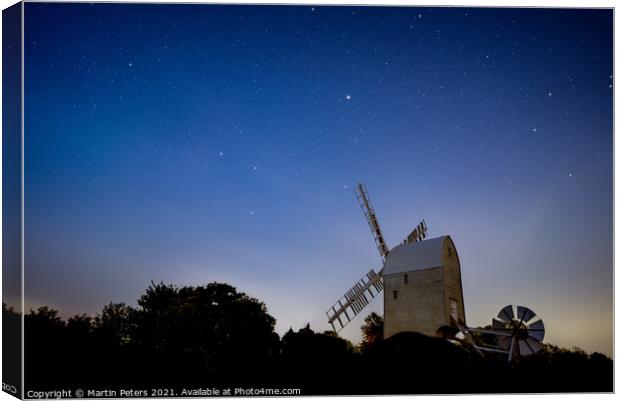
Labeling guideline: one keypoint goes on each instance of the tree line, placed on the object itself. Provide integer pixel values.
(214, 335)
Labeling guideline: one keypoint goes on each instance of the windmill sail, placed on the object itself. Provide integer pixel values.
(418, 233)
(355, 300)
(361, 193)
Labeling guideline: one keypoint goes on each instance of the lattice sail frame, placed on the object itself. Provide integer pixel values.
(355, 300)
(363, 198)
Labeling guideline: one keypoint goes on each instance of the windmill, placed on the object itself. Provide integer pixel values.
(519, 335)
(420, 280)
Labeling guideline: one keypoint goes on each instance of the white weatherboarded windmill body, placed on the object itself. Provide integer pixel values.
(421, 279)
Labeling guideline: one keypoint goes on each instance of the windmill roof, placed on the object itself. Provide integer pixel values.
(415, 256)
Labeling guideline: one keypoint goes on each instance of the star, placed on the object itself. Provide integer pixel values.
(221, 153)
(251, 212)
(130, 64)
(255, 168)
(348, 97)
(533, 129)
(550, 94)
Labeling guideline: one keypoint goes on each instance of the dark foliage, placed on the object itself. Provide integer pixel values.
(562, 370)
(215, 336)
(372, 331)
(202, 335)
(196, 331)
(319, 363)
(11, 348)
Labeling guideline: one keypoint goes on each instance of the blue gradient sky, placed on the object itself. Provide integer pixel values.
(193, 143)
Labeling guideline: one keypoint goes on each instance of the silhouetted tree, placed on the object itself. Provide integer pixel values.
(45, 339)
(79, 327)
(11, 347)
(215, 335)
(321, 363)
(556, 369)
(213, 329)
(117, 322)
(372, 330)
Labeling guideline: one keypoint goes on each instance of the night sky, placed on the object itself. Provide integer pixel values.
(195, 143)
